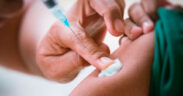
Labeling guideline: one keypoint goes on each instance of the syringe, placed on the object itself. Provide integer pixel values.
(53, 6)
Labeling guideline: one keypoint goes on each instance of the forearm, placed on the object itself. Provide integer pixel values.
(34, 26)
(9, 50)
(132, 80)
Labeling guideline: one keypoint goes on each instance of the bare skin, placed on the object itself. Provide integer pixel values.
(9, 50)
(20, 64)
(23, 39)
(31, 41)
(40, 49)
(27, 49)
(9, 45)
(53, 51)
(136, 56)
(133, 71)
(132, 80)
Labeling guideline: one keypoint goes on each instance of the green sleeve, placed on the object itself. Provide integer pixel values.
(167, 69)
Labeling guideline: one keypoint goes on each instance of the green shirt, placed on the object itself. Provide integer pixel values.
(167, 69)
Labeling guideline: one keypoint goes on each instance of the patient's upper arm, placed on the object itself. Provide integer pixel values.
(132, 80)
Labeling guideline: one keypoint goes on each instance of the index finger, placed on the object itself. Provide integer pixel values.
(112, 12)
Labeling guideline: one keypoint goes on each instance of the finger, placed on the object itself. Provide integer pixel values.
(124, 41)
(132, 30)
(58, 64)
(105, 48)
(86, 47)
(112, 12)
(150, 7)
(90, 51)
(121, 38)
(138, 15)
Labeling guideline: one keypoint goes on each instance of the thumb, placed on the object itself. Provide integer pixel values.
(87, 48)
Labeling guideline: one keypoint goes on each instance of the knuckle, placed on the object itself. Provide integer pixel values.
(112, 9)
(81, 35)
(56, 25)
(55, 29)
(46, 68)
(78, 60)
(96, 53)
(133, 7)
(127, 21)
(93, 51)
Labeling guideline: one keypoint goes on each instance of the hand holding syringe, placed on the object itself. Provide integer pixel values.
(57, 12)
(91, 52)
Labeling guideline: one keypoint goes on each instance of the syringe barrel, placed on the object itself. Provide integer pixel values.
(57, 12)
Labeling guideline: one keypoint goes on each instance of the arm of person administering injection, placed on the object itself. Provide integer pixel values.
(57, 52)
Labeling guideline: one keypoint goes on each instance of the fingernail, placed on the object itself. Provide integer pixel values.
(105, 62)
(147, 27)
(119, 26)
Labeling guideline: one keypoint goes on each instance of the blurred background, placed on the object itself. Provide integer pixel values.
(13, 83)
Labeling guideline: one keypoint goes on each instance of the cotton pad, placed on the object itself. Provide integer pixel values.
(112, 69)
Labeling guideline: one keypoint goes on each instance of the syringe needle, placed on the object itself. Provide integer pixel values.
(77, 37)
